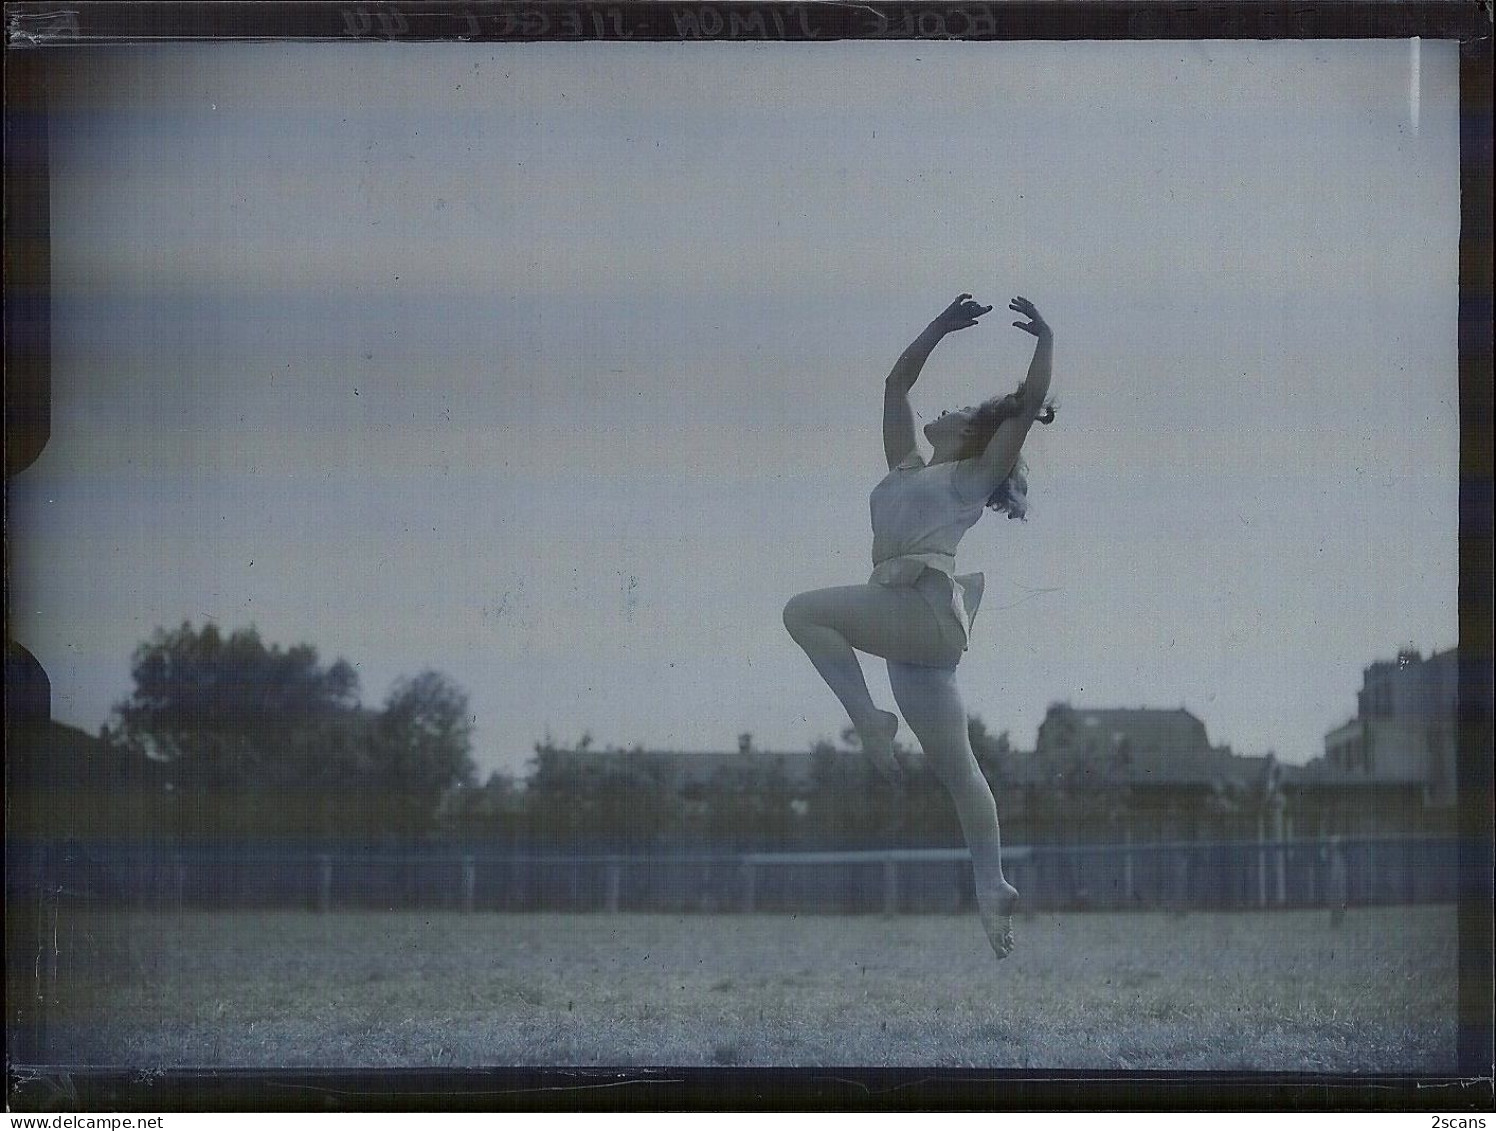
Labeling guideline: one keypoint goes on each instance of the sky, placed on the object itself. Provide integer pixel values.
(558, 368)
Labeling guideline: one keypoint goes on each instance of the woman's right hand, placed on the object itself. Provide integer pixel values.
(962, 313)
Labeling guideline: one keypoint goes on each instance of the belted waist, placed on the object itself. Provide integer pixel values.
(905, 569)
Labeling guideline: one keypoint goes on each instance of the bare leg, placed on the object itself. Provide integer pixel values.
(932, 706)
(895, 623)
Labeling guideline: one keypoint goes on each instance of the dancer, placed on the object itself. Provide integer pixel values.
(915, 611)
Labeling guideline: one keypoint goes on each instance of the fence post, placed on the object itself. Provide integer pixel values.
(181, 882)
(1280, 868)
(1338, 885)
(614, 873)
(750, 885)
(324, 883)
(469, 881)
(1261, 875)
(890, 886)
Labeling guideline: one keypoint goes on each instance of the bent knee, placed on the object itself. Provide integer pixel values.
(797, 612)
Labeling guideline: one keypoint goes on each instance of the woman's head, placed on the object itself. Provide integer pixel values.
(965, 433)
(950, 432)
(984, 423)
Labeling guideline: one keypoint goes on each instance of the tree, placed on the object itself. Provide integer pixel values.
(851, 806)
(236, 726)
(422, 748)
(639, 804)
(557, 795)
(612, 800)
(493, 813)
(748, 803)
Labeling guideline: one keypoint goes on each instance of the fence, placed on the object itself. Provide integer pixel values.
(1219, 875)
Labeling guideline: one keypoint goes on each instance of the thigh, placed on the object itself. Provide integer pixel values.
(893, 622)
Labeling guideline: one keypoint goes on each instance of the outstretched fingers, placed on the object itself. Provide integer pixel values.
(963, 312)
(1035, 324)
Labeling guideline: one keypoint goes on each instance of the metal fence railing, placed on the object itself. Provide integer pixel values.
(1208, 875)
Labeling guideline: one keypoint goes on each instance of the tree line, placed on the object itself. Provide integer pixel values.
(227, 738)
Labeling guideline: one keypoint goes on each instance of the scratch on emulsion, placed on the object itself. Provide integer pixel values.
(33, 29)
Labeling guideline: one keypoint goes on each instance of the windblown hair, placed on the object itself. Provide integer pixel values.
(1011, 496)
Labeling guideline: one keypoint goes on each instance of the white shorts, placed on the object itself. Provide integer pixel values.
(952, 598)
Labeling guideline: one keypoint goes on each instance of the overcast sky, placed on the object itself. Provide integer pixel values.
(558, 368)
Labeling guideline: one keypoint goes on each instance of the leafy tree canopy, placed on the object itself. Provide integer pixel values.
(255, 738)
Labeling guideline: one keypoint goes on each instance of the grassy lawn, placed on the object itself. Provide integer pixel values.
(1286, 991)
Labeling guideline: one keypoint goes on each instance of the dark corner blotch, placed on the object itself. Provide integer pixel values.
(28, 691)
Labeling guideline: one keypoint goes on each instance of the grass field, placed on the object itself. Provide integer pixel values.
(1286, 991)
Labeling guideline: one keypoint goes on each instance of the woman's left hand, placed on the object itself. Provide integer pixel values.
(1035, 324)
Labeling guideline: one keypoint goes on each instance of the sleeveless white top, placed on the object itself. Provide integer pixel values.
(919, 518)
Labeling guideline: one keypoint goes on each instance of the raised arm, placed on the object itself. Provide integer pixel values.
(898, 416)
(1001, 454)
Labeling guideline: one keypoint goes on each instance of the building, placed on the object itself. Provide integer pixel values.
(1390, 770)
(1132, 775)
(1067, 732)
(1135, 775)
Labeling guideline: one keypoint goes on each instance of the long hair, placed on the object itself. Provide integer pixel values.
(1011, 496)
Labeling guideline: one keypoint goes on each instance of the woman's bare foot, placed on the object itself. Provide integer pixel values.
(996, 909)
(876, 736)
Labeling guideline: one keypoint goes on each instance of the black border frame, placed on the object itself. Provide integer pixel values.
(33, 28)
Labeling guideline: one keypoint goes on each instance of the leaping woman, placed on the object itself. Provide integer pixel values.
(915, 611)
